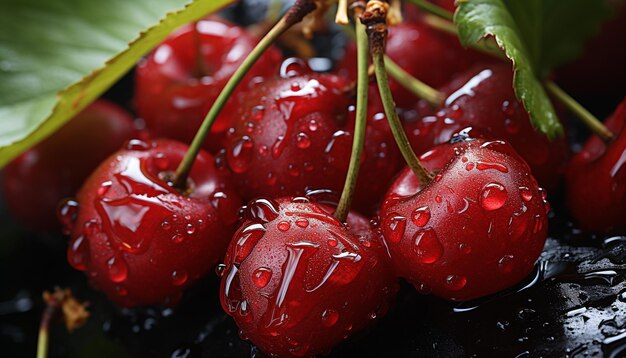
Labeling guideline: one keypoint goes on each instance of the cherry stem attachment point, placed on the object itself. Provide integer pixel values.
(297, 12)
(374, 18)
(417, 87)
(361, 118)
(583, 114)
(442, 21)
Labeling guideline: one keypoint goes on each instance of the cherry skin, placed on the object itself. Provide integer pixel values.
(438, 59)
(483, 98)
(56, 168)
(298, 282)
(295, 133)
(139, 240)
(476, 229)
(173, 95)
(596, 179)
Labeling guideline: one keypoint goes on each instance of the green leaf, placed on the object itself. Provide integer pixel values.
(478, 19)
(57, 56)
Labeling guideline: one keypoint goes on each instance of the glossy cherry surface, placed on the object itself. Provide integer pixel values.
(298, 282)
(295, 133)
(37, 180)
(596, 179)
(476, 229)
(139, 240)
(483, 98)
(175, 86)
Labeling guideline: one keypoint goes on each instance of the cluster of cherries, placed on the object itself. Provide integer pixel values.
(296, 280)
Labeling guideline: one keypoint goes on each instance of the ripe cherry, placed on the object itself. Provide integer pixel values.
(298, 282)
(56, 168)
(476, 229)
(295, 133)
(483, 98)
(139, 240)
(596, 179)
(176, 87)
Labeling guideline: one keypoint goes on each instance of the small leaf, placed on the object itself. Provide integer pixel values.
(478, 19)
(58, 56)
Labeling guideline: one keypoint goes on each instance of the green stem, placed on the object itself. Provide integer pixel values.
(360, 124)
(417, 87)
(583, 114)
(411, 159)
(44, 328)
(433, 9)
(293, 16)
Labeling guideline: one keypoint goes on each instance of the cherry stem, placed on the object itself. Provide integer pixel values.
(52, 307)
(443, 23)
(581, 112)
(361, 118)
(374, 18)
(417, 87)
(297, 12)
(433, 9)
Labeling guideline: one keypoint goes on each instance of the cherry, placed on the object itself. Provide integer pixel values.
(139, 240)
(476, 229)
(298, 282)
(175, 88)
(596, 179)
(295, 132)
(56, 168)
(483, 98)
(438, 59)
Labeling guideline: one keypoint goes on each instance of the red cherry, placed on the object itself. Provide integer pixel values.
(138, 239)
(596, 179)
(295, 133)
(483, 98)
(298, 282)
(439, 57)
(56, 168)
(173, 95)
(476, 229)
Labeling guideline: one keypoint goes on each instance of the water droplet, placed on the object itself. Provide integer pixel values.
(261, 210)
(506, 264)
(427, 246)
(469, 166)
(240, 156)
(247, 240)
(396, 224)
(329, 317)
(493, 196)
(261, 277)
(78, 253)
(372, 315)
(220, 269)
(308, 166)
(91, 227)
(137, 144)
(161, 161)
(67, 213)
(455, 282)
(303, 141)
(456, 111)
(508, 108)
(295, 86)
(332, 242)
(179, 277)
(512, 125)
(191, 229)
(283, 226)
(438, 199)
(421, 216)
(538, 224)
(465, 248)
(302, 222)
(313, 125)
(258, 112)
(118, 270)
(496, 166)
(165, 225)
(263, 150)
(525, 193)
(293, 170)
(244, 311)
